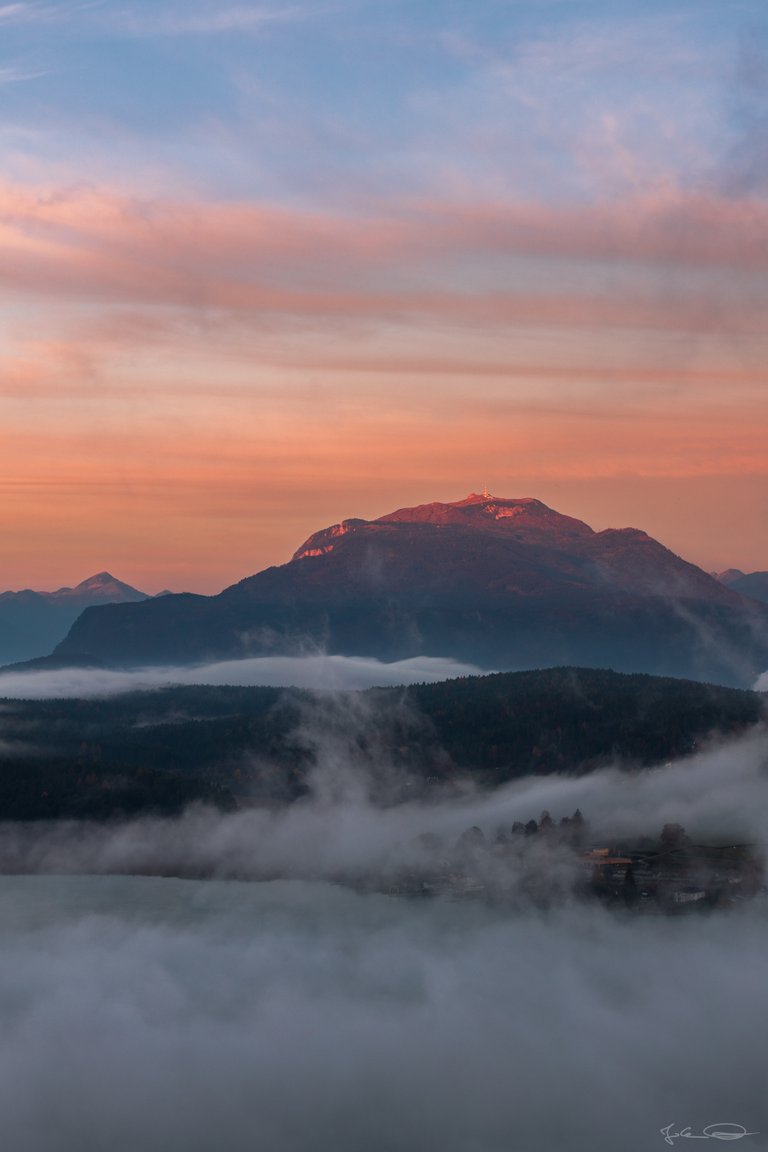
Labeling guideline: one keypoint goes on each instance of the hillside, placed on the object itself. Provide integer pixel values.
(754, 584)
(159, 751)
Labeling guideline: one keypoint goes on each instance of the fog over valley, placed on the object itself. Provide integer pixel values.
(309, 994)
(308, 671)
(300, 998)
(173, 1014)
(340, 828)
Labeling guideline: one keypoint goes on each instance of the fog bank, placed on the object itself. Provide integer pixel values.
(169, 1015)
(295, 1015)
(339, 829)
(337, 673)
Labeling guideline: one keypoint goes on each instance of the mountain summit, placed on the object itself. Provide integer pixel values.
(102, 587)
(503, 583)
(520, 547)
(524, 519)
(32, 622)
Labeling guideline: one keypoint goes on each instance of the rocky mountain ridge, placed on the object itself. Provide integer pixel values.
(502, 583)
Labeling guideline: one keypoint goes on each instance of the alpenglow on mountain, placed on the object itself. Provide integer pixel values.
(31, 623)
(502, 583)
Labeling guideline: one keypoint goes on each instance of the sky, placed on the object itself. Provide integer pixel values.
(264, 267)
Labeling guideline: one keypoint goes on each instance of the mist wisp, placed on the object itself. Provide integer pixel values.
(357, 821)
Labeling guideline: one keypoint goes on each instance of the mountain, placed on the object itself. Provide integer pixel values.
(754, 584)
(31, 623)
(729, 575)
(506, 584)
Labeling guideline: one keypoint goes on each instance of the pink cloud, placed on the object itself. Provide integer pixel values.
(90, 245)
(193, 366)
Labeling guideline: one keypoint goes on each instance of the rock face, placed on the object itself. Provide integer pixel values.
(31, 623)
(506, 584)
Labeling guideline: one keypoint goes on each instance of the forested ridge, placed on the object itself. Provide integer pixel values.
(159, 751)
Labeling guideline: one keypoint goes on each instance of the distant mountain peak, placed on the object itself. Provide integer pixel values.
(98, 581)
(487, 498)
(752, 584)
(729, 575)
(31, 623)
(523, 517)
(102, 586)
(465, 511)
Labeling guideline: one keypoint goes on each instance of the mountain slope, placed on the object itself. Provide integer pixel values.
(162, 750)
(754, 584)
(31, 623)
(503, 583)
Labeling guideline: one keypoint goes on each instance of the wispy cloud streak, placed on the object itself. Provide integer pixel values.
(90, 244)
(206, 20)
(35, 13)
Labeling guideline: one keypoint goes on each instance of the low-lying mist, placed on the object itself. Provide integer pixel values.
(169, 1015)
(338, 829)
(318, 671)
(299, 1014)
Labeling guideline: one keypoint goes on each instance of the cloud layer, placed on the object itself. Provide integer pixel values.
(334, 673)
(340, 829)
(545, 343)
(299, 1014)
(169, 1014)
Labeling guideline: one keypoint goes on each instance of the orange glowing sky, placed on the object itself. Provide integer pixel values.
(236, 309)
